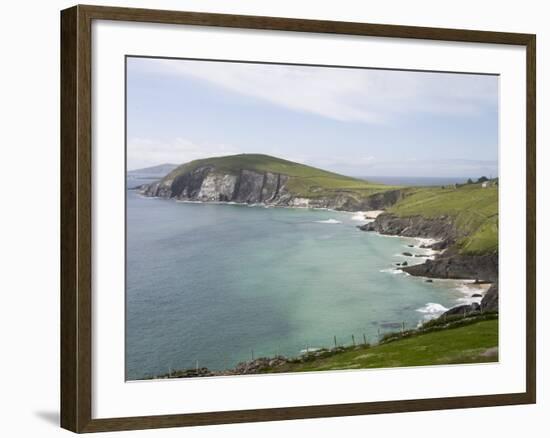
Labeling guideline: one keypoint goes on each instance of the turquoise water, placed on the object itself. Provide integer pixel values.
(219, 284)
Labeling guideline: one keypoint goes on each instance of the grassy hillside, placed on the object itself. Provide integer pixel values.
(305, 181)
(474, 343)
(473, 208)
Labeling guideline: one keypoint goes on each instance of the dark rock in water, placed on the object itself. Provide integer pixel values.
(367, 227)
(476, 295)
(464, 310)
(408, 254)
(429, 280)
(421, 255)
(398, 264)
(489, 302)
(459, 267)
(404, 264)
(410, 246)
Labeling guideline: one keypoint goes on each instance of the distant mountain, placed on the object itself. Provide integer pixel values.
(255, 178)
(155, 171)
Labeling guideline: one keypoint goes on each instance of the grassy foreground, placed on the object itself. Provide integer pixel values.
(473, 343)
(473, 208)
(306, 181)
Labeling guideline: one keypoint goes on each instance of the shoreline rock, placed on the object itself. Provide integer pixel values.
(441, 228)
(489, 302)
(447, 265)
(459, 267)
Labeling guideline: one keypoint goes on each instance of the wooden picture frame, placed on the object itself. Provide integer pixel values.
(76, 217)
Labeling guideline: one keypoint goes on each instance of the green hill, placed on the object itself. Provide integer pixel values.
(305, 181)
(474, 210)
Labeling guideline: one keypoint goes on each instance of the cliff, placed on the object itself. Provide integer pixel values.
(255, 179)
(440, 228)
(458, 266)
(463, 220)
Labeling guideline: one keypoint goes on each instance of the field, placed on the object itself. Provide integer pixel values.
(473, 208)
(474, 343)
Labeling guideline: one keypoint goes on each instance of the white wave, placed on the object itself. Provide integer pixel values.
(470, 288)
(394, 271)
(359, 216)
(329, 221)
(310, 350)
(432, 310)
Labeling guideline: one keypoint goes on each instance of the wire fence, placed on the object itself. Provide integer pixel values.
(199, 367)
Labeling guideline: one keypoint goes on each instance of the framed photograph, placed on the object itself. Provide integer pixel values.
(270, 218)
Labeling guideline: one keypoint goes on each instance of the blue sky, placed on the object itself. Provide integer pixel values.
(357, 122)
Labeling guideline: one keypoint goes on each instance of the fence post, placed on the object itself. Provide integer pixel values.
(364, 339)
(335, 343)
(353, 340)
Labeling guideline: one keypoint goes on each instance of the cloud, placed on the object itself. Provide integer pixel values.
(144, 152)
(352, 95)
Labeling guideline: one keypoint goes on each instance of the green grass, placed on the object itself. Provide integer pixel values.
(474, 210)
(305, 181)
(473, 343)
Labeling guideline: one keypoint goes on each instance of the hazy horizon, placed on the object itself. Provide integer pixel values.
(355, 176)
(356, 122)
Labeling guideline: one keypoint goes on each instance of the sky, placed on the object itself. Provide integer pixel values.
(354, 121)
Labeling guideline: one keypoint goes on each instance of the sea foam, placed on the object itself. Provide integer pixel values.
(329, 221)
(432, 310)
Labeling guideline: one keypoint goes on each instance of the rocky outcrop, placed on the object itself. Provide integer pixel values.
(458, 266)
(489, 302)
(208, 184)
(450, 264)
(462, 310)
(376, 201)
(440, 228)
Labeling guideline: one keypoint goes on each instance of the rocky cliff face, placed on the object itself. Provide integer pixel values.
(489, 302)
(441, 228)
(450, 264)
(482, 267)
(208, 184)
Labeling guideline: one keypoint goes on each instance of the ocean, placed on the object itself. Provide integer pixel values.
(213, 285)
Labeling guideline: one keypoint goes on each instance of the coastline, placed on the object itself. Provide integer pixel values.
(255, 204)
(420, 242)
